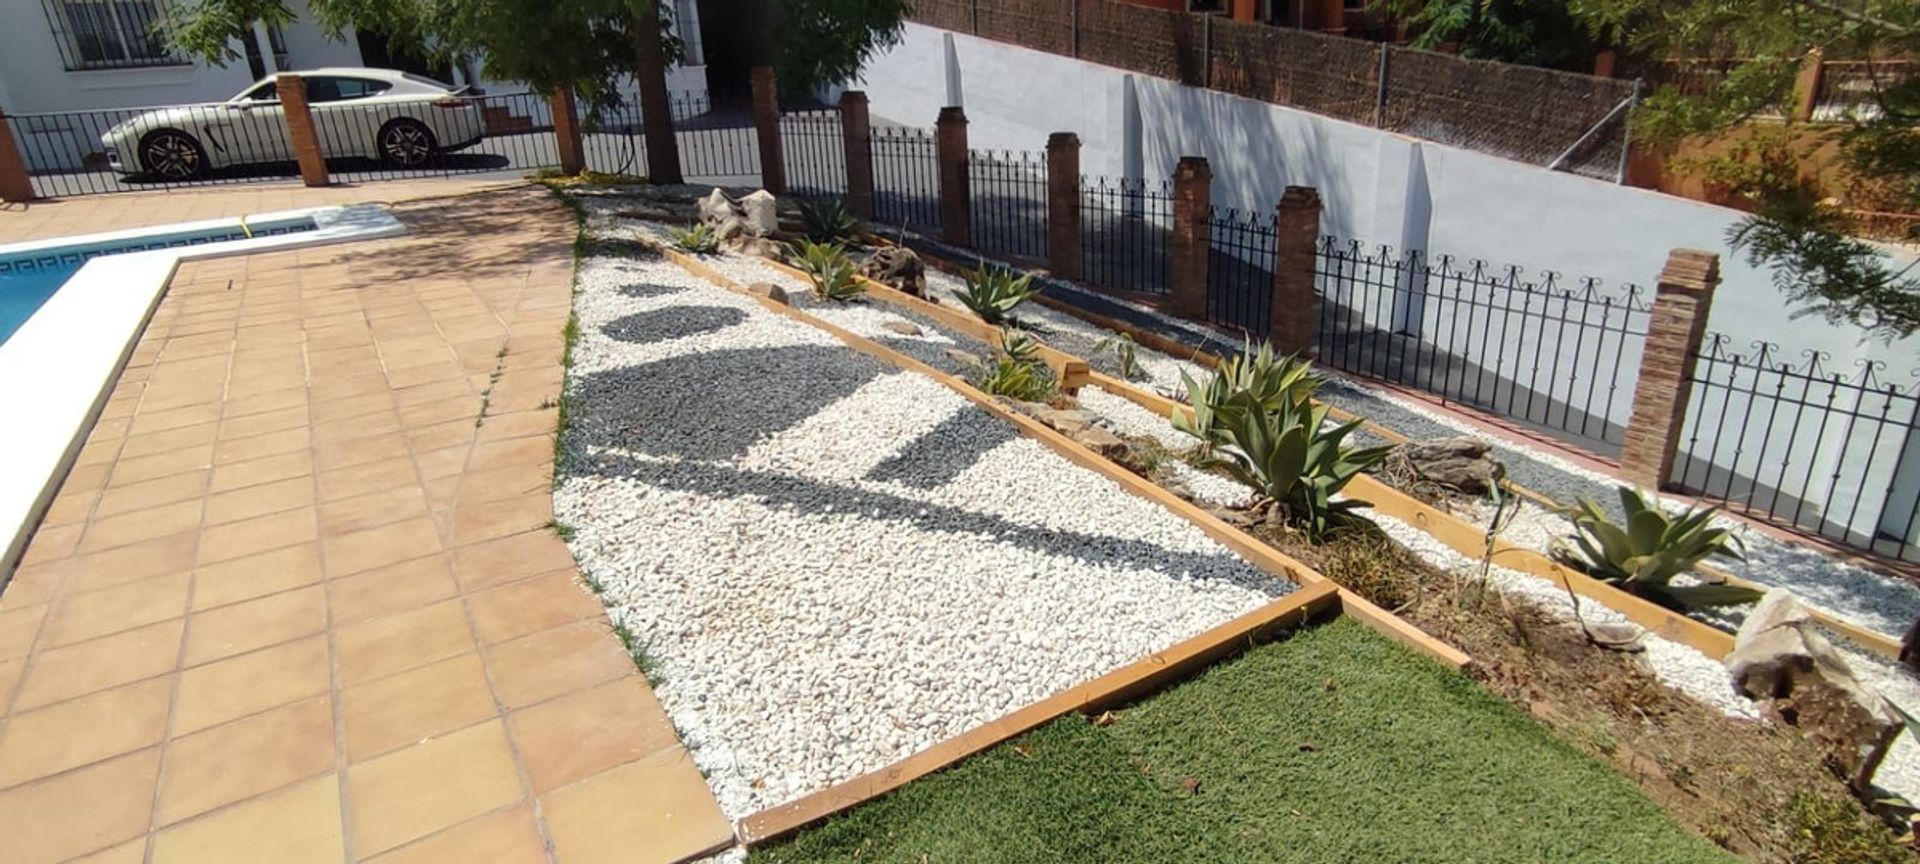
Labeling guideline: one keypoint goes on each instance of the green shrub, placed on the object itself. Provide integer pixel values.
(1268, 379)
(1024, 382)
(699, 239)
(1650, 548)
(829, 268)
(993, 293)
(827, 220)
(1019, 345)
(1282, 447)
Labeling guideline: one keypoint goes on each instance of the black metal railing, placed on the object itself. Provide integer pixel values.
(717, 145)
(110, 34)
(813, 148)
(1561, 359)
(1008, 202)
(70, 153)
(1125, 226)
(906, 178)
(1791, 441)
(363, 141)
(1240, 265)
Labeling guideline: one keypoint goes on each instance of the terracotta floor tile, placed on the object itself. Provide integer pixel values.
(98, 664)
(110, 531)
(35, 584)
(129, 471)
(232, 449)
(371, 477)
(73, 733)
(256, 575)
(152, 493)
(72, 507)
(419, 790)
(440, 436)
(520, 424)
(18, 627)
(509, 559)
(445, 462)
(259, 534)
(529, 606)
(401, 642)
(513, 452)
(264, 499)
(244, 758)
(446, 410)
(561, 660)
(153, 443)
(162, 556)
(654, 809)
(491, 521)
(40, 822)
(130, 852)
(347, 554)
(501, 837)
(266, 412)
(373, 510)
(239, 475)
(402, 709)
(76, 617)
(359, 451)
(581, 734)
(390, 590)
(297, 825)
(242, 627)
(237, 686)
(10, 672)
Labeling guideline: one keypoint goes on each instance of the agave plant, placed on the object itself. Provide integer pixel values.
(827, 220)
(993, 293)
(699, 238)
(1643, 554)
(1124, 351)
(829, 269)
(1265, 377)
(1283, 448)
(1018, 345)
(1024, 382)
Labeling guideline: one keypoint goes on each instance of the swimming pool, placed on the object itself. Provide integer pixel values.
(28, 280)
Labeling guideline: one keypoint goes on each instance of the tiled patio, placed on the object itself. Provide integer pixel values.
(298, 600)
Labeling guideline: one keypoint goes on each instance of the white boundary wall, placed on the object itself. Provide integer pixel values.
(1470, 205)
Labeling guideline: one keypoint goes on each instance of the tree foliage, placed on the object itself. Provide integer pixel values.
(819, 42)
(1733, 64)
(1534, 32)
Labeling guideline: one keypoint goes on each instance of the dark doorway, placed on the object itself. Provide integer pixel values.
(733, 36)
(379, 52)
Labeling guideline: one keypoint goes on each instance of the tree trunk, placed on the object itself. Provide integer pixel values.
(656, 111)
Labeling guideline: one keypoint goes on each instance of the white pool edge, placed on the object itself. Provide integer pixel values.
(59, 368)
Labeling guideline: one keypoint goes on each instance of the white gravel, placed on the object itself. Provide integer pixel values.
(832, 564)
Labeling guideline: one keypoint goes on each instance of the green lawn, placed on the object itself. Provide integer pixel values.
(1332, 746)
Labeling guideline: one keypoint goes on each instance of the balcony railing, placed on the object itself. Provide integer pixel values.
(110, 34)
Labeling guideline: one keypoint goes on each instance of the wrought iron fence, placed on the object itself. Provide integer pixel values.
(1559, 358)
(1831, 452)
(1009, 202)
(906, 178)
(1125, 225)
(813, 148)
(366, 141)
(1240, 270)
(716, 145)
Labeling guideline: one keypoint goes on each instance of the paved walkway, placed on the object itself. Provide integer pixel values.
(297, 601)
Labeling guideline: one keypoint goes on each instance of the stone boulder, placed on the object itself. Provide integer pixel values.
(770, 291)
(726, 217)
(1781, 661)
(1080, 425)
(1463, 464)
(898, 267)
(762, 213)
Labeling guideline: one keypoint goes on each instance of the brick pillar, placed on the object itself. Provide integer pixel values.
(15, 185)
(301, 134)
(1296, 234)
(857, 144)
(1681, 303)
(1806, 86)
(1245, 10)
(1192, 213)
(566, 130)
(766, 122)
(956, 196)
(1063, 205)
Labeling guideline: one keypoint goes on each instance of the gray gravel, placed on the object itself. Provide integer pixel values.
(832, 564)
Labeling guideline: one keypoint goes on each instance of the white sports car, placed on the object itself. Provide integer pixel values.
(395, 117)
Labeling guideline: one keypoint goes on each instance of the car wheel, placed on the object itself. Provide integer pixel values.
(170, 154)
(406, 144)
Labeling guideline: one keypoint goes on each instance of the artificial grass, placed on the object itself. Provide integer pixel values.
(1334, 745)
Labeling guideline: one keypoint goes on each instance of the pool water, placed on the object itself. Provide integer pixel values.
(23, 290)
(29, 279)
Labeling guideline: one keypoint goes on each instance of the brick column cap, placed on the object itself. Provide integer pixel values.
(952, 114)
(1300, 198)
(1062, 139)
(1692, 270)
(853, 96)
(1193, 166)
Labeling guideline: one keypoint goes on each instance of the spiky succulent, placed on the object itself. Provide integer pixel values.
(829, 269)
(699, 238)
(1644, 553)
(1267, 378)
(1019, 345)
(1024, 382)
(827, 220)
(1282, 447)
(993, 293)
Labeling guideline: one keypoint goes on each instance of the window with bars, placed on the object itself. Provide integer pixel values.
(109, 34)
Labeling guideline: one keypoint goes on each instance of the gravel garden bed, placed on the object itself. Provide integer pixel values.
(829, 564)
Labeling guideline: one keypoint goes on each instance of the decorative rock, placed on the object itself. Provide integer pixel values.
(1618, 636)
(1081, 425)
(745, 244)
(1464, 464)
(770, 291)
(762, 212)
(717, 207)
(964, 358)
(899, 267)
(904, 328)
(1781, 660)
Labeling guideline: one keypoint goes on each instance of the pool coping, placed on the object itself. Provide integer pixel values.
(59, 368)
